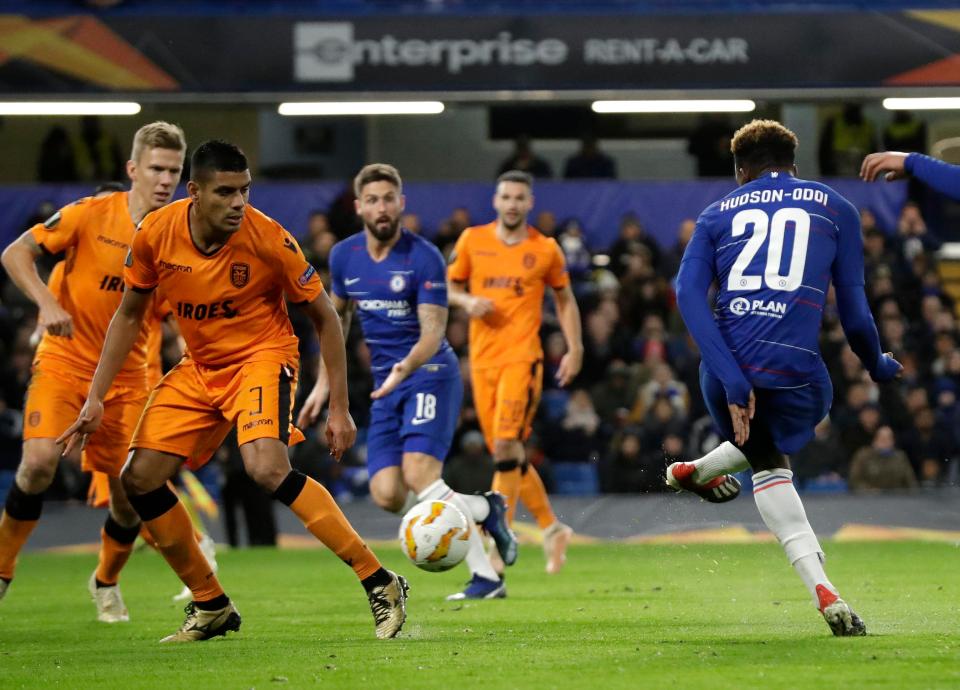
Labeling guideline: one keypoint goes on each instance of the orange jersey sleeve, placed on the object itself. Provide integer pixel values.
(515, 278)
(88, 283)
(61, 230)
(229, 304)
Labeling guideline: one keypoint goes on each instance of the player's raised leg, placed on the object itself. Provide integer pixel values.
(24, 502)
(145, 477)
(265, 460)
(710, 477)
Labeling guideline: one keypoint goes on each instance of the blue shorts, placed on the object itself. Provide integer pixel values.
(789, 414)
(420, 416)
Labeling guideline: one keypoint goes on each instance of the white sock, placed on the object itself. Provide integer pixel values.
(476, 559)
(474, 507)
(783, 514)
(810, 570)
(724, 459)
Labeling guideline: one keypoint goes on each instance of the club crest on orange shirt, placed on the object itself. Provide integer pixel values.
(239, 274)
(529, 260)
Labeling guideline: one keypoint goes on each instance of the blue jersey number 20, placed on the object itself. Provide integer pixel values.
(761, 222)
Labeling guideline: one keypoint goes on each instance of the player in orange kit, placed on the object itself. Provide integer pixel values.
(96, 234)
(506, 266)
(226, 268)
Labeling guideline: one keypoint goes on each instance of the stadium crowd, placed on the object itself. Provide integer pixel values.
(637, 398)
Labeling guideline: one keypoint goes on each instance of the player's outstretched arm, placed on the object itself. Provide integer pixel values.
(568, 314)
(121, 335)
(19, 260)
(939, 175)
(341, 432)
(433, 326)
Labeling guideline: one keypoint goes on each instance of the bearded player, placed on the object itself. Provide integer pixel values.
(397, 282)
(498, 273)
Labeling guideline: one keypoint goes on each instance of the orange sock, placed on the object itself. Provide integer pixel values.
(507, 482)
(534, 496)
(116, 545)
(13, 535)
(320, 514)
(20, 516)
(169, 523)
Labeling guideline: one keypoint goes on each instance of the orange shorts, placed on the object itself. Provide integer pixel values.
(54, 399)
(194, 406)
(506, 399)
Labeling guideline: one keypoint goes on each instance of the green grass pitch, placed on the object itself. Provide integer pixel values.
(618, 616)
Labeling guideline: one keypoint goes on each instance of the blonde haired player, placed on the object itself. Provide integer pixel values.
(498, 273)
(96, 234)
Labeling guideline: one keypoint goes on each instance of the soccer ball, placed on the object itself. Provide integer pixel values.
(434, 535)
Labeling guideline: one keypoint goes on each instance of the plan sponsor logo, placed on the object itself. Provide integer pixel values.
(741, 306)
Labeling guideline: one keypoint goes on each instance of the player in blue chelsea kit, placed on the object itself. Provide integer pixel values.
(397, 282)
(773, 245)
